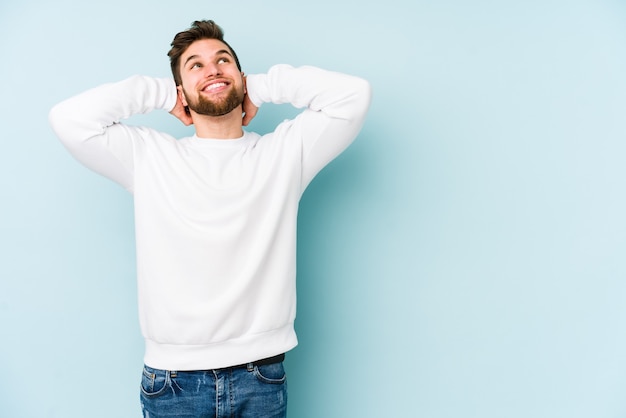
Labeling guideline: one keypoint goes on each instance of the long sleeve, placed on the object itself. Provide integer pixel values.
(215, 220)
(336, 105)
(88, 124)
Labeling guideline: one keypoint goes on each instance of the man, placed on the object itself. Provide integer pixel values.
(215, 215)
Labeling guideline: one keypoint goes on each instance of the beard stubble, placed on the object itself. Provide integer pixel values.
(204, 106)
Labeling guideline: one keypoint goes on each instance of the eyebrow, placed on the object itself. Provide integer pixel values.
(220, 52)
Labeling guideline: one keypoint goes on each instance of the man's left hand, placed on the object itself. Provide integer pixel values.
(249, 109)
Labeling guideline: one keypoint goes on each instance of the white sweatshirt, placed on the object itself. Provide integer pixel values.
(215, 219)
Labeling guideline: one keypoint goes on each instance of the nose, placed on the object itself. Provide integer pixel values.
(212, 70)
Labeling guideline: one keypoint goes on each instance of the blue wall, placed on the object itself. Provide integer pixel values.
(464, 258)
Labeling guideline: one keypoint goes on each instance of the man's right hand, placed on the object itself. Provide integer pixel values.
(180, 111)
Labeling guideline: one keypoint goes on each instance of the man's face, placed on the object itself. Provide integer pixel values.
(211, 82)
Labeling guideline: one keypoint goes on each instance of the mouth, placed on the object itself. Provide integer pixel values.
(215, 86)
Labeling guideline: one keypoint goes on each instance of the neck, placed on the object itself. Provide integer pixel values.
(227, 126)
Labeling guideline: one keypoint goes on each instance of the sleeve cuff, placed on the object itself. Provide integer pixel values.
(254, 88)
(171, 93)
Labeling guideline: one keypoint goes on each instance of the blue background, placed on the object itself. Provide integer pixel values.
(464, 258)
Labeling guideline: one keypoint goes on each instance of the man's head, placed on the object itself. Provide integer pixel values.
(206, 70)
(200, 29)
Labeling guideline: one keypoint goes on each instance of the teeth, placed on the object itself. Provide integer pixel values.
(214, 86)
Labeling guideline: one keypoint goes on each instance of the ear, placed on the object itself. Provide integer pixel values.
(245, 87)
(181, 95)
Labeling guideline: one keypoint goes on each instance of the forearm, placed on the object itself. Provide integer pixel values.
(338, 95)
(336, 105)
(89, 114)
(88, 124)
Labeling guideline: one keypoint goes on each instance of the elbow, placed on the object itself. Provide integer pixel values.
(53, 116)
(362, 97)
(65, 123)
(364, 87)
(57, 119)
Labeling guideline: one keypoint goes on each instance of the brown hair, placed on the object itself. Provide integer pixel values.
(200, 29)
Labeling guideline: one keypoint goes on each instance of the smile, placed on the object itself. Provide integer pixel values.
(215, 86)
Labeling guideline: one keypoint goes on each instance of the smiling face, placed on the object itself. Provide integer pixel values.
(211, 83)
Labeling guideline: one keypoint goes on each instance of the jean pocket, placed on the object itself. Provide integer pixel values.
(271, 373)
(154, 381)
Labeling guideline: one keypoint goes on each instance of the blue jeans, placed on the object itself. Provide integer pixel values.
(244, 392)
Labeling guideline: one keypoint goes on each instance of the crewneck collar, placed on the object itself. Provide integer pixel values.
(221, 143)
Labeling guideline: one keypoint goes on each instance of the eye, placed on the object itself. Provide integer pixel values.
(196, 65)
(223, 60)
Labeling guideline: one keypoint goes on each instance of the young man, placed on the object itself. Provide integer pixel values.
(215, 215)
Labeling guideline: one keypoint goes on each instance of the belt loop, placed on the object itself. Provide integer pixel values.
(250, 367)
